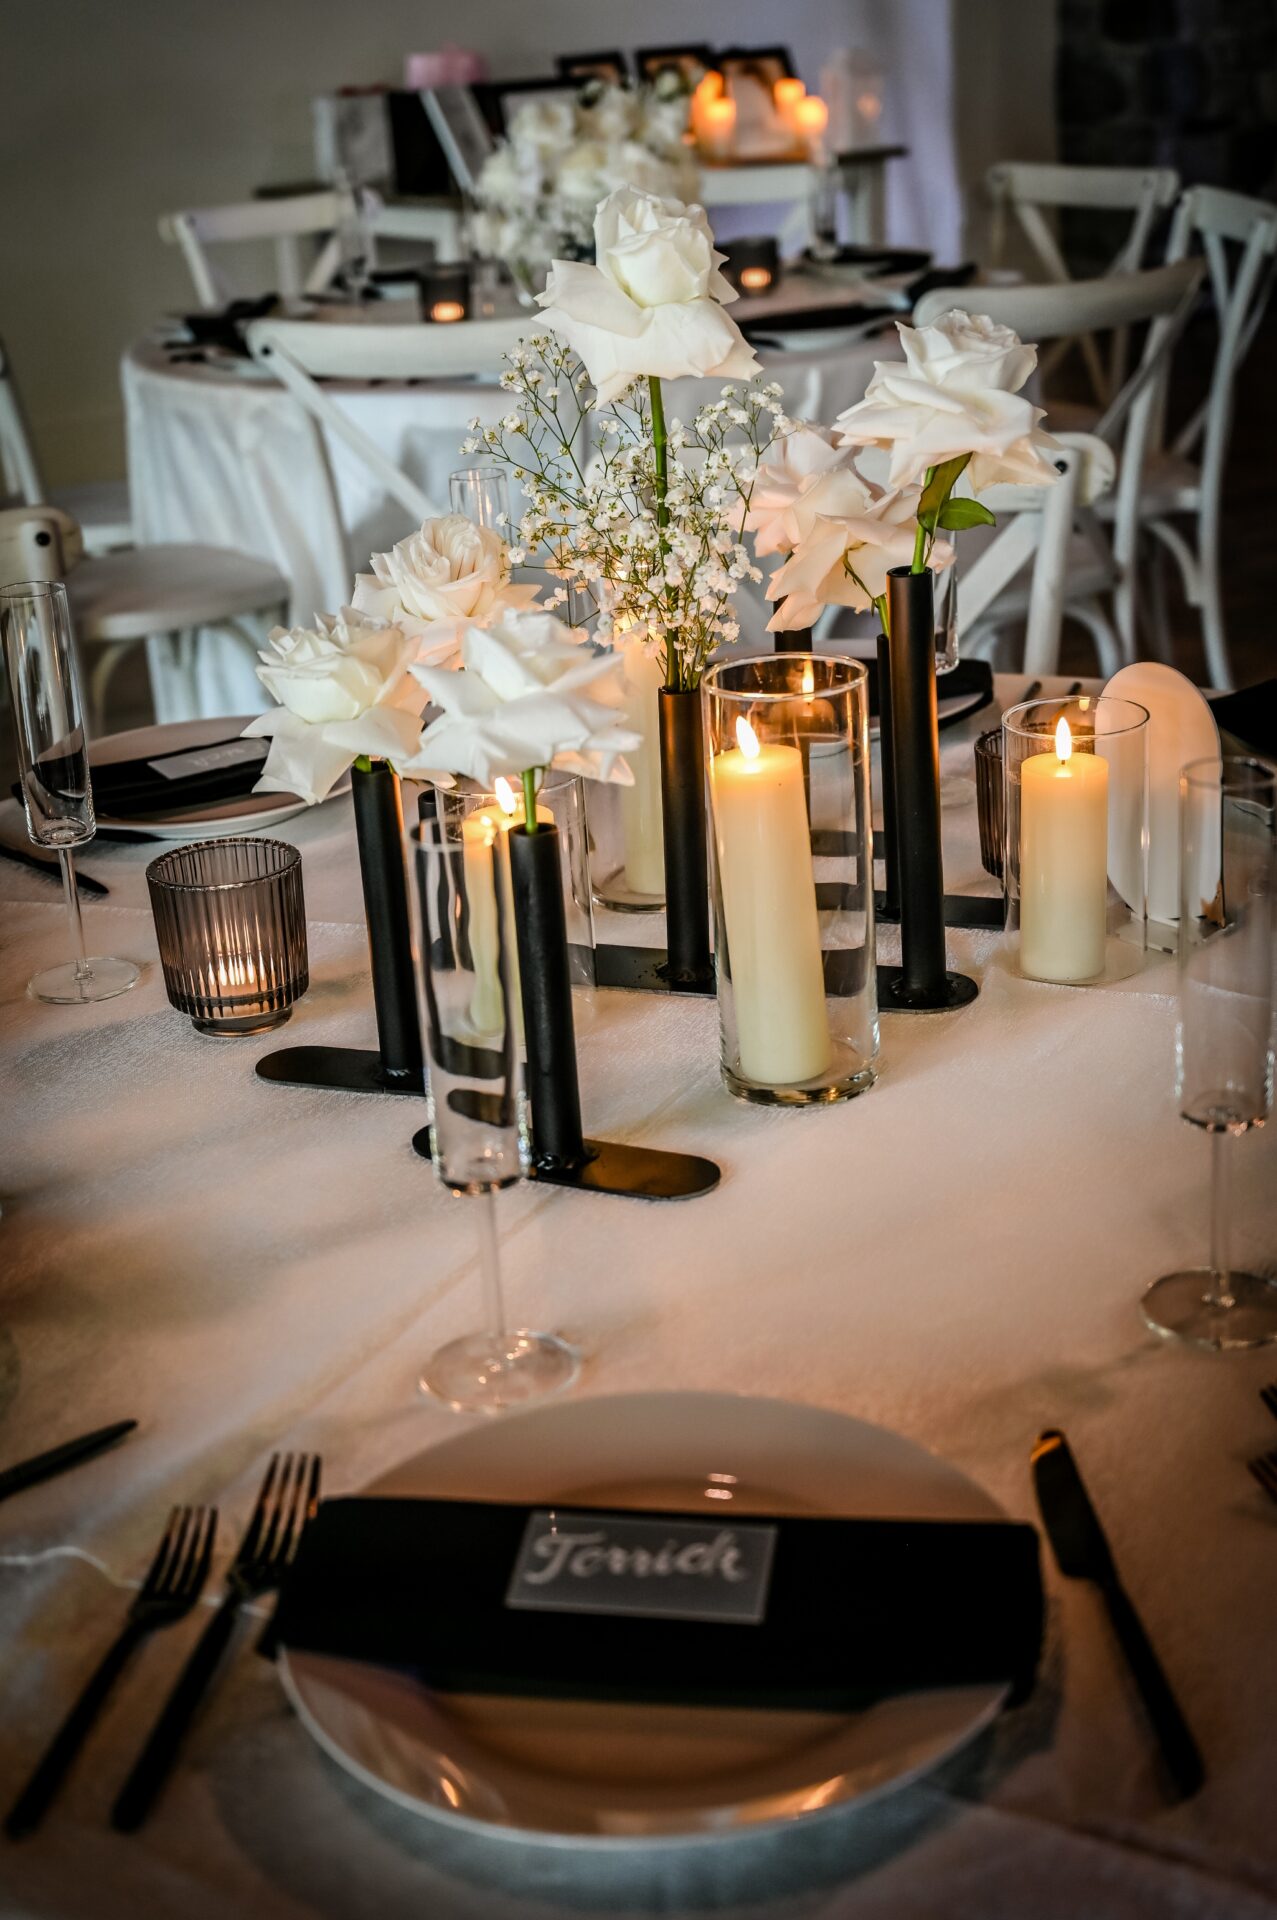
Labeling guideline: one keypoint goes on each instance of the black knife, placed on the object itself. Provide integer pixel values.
(51, 869)
(29, 1473)
(1083, 1553)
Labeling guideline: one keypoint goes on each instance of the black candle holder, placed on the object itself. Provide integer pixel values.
(562, 1155)
(396, 1065)
(445, 293)
(686, 963)
(908, 728)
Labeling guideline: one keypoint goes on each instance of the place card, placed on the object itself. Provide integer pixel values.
(626, 1563)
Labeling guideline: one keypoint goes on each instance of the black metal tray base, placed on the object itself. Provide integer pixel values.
(636, 1173)
(339, 1069)
(894, 997)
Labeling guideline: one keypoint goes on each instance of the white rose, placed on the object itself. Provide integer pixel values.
(529, 694)
(344, 690)
(448, 572)
(785, 497)
(653, 304)
(843, 561)
(955, 393)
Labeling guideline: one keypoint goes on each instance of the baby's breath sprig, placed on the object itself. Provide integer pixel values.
(651, 532)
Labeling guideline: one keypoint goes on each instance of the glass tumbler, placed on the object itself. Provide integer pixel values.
(482, 494)
(1224, 1036)
(1075, 847)
(53, 766)
(230, 917)
(463, 950)
(788, 756)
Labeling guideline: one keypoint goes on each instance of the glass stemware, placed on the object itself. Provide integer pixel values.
(53, 764)
(1224, 1039)
(463, 947)
(482, 494)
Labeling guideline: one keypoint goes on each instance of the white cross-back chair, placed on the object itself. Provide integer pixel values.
(120, 599)
(288, 222)
(1185, 481)
(300, 354)
(1030, 189)
(100, 508)
(1087, 568)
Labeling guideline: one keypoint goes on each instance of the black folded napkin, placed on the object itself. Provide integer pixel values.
(173, 782)
(820, 1614)
(1250, 717)
(969, 677)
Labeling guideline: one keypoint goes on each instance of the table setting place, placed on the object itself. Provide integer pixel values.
(404, 1507)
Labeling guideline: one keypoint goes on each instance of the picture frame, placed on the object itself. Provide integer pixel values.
(499, 100)
(461, 130)
(692, 61)
(611, 66)
(765, 65)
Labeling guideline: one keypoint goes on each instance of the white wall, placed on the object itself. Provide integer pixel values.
(114, 113)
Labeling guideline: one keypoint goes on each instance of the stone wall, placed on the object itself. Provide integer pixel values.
(1190, 84)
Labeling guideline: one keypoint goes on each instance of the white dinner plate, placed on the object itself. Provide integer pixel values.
(587, 1774)
(1181, 727)
(246, 813)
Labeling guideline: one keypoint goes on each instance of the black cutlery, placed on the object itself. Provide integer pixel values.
(171, 1588)
(1071, 693)
(289, 1495)
(1268, 1395)
(1083, 1553)
(51, 869)
(43, 1466)
(1264, 1469)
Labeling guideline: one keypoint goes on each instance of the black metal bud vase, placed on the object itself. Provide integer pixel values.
(560, 1152)
(921, 984)
(687, 965)
(396, 1066)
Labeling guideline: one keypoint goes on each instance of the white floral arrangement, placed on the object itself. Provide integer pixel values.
(537, 191)
(651, 527)
(952, 408)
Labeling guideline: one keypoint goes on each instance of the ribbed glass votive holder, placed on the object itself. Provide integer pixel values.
(230, 916)
(989, 800)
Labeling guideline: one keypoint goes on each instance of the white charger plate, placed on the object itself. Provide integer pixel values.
(246, 813)
(1181, 727)
(586, 1774)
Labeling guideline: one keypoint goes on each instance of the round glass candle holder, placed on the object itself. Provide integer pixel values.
(1075, 838)
(787, 737)
(230, 916)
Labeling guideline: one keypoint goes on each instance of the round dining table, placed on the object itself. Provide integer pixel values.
(958, 1255)
(221, 454)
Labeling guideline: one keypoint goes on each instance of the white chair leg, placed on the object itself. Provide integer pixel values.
(110, 654)
(1108, 648)
(1158, 624)
(1214, 639)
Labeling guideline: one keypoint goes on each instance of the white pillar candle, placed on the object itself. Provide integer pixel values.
(1063, 862)
(641, 830)
(477, 837)
(769, 905)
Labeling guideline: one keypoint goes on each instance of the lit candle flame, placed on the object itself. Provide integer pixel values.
(507, 798)
(809, 678)
(445, 312)
(747, 739)
(1063, 739)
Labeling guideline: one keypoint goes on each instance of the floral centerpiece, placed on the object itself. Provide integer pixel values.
(537, 191)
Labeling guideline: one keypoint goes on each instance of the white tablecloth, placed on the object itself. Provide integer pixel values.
(229, 459)
(957, 1255)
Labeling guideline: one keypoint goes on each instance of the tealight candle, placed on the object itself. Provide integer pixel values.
(445, 311)
(717, 124)
(763, 842)
(1063, 862)
(755, 279)
(230, 918)
(787, 93)
(811, 117)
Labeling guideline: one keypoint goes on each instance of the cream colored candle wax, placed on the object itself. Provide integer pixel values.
(477, 837)
(1063, 862)
(641, 829)
(769, 905)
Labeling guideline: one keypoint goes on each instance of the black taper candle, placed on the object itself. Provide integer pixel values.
(379, 832)
(541, 929)
(916, 780)
(684, 833)
(890, 904)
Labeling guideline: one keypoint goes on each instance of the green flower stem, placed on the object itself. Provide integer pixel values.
(530, 784)
(363, 762)
(880, 608)
(920, 537)
(660, 450)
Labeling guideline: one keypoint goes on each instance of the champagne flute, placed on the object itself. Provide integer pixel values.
(53, 763)
(463, 947)
(1224, 1038)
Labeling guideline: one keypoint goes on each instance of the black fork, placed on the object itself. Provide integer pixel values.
(1264, 1469)
(171, 1588)
(289, 1494)
(1268, 1395)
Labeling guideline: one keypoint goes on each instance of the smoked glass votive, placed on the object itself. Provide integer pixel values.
(787, 737)
(989, 800)
(1075, 837)
(230, 916)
